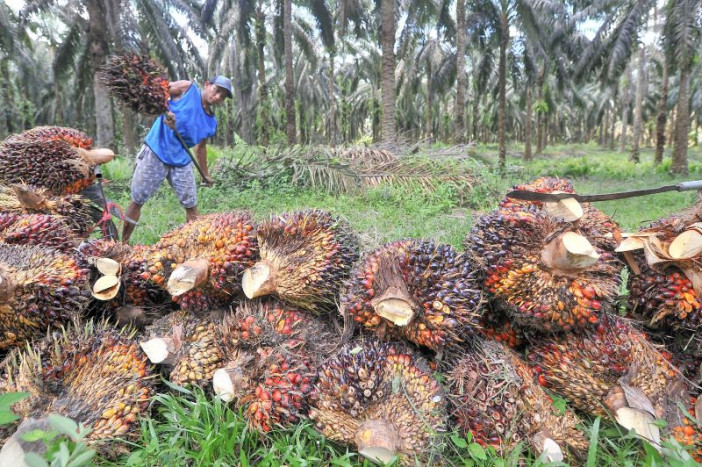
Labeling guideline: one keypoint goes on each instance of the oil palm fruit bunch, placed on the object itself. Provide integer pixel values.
(54, 164)
(187, 345)
(612, 368)
(380, 398)
(24, 199)
(495, 397)
(496, 326)
(39, 287)
(415, 290)
(37, 229)
(305, 257)
(138, 82)
(92, 374)
(75, 138)
(272, 350)
(544, 272)
(688, 432)
(199, 264)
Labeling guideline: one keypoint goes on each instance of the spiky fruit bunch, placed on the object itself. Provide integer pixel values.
(497, 326)
(75, 138)
(381, 398)
(39, 287)
(37, 229)
(199, 263)
(496, 398)
(188, 345)
(418, 291)
(664, 298)
(137, 81)
(92, 374)
(24, 199)
(544, 272)
(689, 433)
(49, 163)
(305, 257)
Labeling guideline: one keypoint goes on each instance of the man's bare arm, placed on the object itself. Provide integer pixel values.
(201, 156)
(178, 88)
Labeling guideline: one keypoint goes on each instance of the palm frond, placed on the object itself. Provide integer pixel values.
(323, 17)
(66, 52)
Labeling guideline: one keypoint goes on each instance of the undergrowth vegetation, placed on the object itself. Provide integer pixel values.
(189, 428)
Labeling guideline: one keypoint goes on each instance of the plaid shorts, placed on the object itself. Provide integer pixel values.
(150, 172)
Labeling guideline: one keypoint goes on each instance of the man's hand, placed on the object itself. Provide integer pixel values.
(208, 181)
(170, 120)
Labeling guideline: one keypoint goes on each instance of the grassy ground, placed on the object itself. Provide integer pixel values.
(190, 429)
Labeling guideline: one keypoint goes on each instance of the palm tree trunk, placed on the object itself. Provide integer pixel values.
(662, 116)
(682, 123)
(613, 122)
(289, 73)
(459, 125)
(626, 102)
(97, 37)
(129, 130)
(540, 115)
(387, 39)
(638, 108)
(527, 124)
(476, 108)
(332, 99)
(262, 123)
(502, 84)
(429, 118)
(6, 124)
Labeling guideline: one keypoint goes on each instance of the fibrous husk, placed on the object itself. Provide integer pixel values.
(416, 290)
(24, 199)
(39, 288)
(305, 257)
(382, 399)
(496, 398)
(137, 81)
(92, 374)
(44, 230)
(545, 273)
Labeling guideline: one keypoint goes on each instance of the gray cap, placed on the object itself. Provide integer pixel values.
(224, 83)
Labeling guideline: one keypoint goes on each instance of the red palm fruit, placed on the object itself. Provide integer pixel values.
(49, 163)
(44, 230)
(305, 257)
(416, 290)
(92, 373)
(137, 81)
(614, 368)
(24, 199)
(496, 325)
(39, 288)
(75, 138)
(689, 432)
(543, 271)
(187, 345)
(200, 263)
(382, 399)
(495, 397)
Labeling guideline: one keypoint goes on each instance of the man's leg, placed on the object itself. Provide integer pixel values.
(131, 217)
(190, 214)
(148, 176)
(182, 180)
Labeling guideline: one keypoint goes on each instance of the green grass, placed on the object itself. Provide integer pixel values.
(189, 428)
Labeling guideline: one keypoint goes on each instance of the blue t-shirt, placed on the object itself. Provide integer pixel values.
(192, 122)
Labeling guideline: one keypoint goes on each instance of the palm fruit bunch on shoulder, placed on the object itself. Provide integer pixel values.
(543, 271)
(75, 138)
(44, 230)
(51, 163)
(382, 399)
(200, 264)
(39, 288)
(187, 345)
(599, 228)
(496, 398)
(136, 80)
(24, 199)
(305, 258)
(416, 290)
(273, 350)
(92, 374)
(612, 368)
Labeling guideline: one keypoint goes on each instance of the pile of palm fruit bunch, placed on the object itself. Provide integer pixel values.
(273, 352)
(382, 399)
(137, 81)
(56, 158)
(417, 291)
(90, 373)
(549, 266)
(495, 397)
(39, 288)
(37, 229)
(304, 258)
(614, 368)
(76, 211)
(666, 284)
(200, 264)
